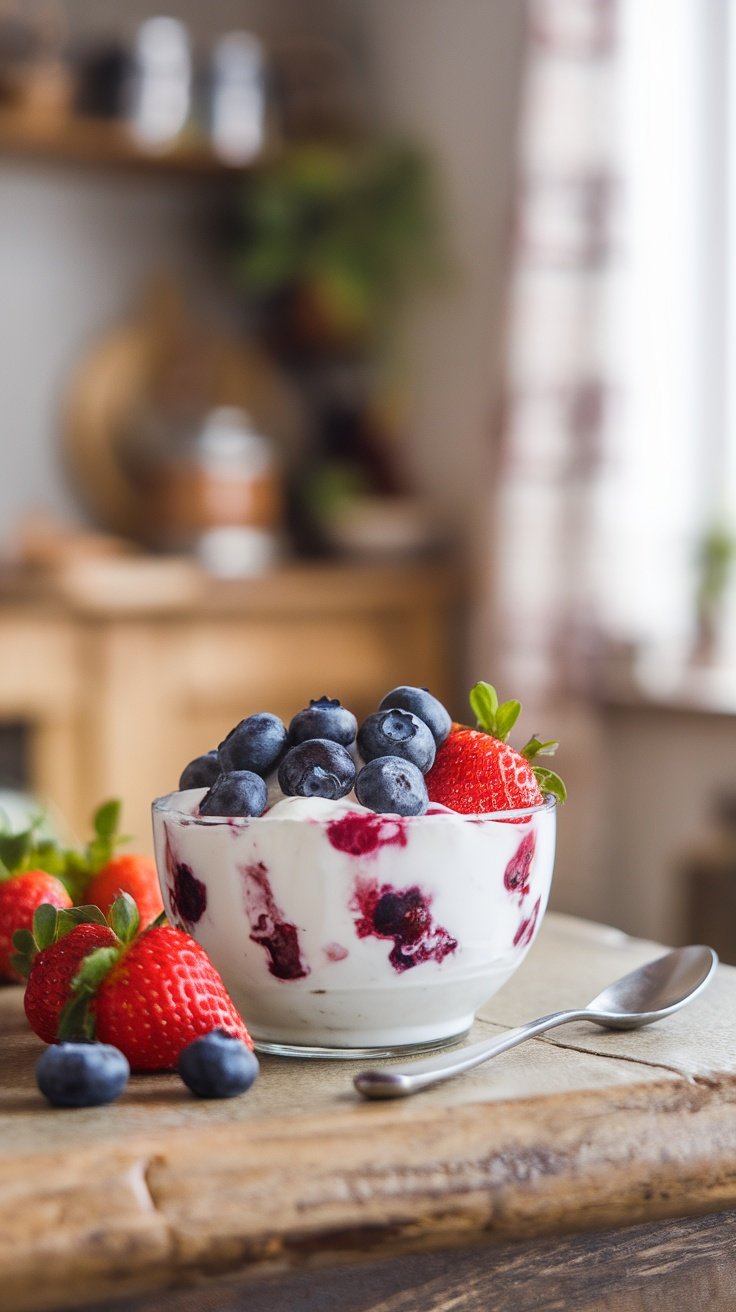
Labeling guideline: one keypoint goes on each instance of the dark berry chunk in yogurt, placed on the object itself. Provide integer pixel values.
(188, 895)
(517, 872)
(269, 926)
(404, 916)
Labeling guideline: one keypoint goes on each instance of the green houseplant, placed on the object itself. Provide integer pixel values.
(331, 238)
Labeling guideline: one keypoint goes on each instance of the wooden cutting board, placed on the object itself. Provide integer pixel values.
(581, 1129)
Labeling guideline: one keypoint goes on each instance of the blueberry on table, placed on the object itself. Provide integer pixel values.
(422, 704)
(392, 785)
(324, 718)
(201, 772)
(395, 732)
(257, 744)
(317, 768)
(81, 1074)
(217, 1065)
(239, 792)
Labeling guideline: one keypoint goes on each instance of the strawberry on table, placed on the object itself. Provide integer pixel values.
(477, 771)
(21, 893)
(50, 954)
(128, 872)
(148, 994)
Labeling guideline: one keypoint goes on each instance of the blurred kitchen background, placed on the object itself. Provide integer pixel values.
(352, 343)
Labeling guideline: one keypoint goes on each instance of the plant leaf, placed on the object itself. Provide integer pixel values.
(125, 917)
(107, 818)
(506, 717)
(76, 1020)
(93, 970)
(14, 848)
(536, 748)
(484, 704)
(549, 782)
(45, 923)
(70, 917)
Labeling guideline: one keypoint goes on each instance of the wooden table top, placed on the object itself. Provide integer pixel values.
(581, 1129)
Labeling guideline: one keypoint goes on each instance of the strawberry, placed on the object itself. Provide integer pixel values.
(129, 872)
(476, 771)
(148, 994)
(20, 894)
(51, 954)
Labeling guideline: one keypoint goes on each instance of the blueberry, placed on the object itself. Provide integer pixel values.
(391, 784)
(397, 733)
(422, 704)
(201, 772)
(81, 1074)
(324, 718)
(257, 743)
(239, 792)
(217, 1065)
(317, 768)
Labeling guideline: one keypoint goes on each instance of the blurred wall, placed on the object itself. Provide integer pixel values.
(450, 74)
(74, 243)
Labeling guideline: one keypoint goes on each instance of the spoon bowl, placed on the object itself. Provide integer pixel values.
(647, 994)
(655, 990)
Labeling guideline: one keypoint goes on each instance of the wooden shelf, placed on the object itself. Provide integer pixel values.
(97, 143)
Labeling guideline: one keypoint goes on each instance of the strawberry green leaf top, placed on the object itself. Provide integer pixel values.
(493, 718)
(477, 771)
(498, 719)
(34, 849)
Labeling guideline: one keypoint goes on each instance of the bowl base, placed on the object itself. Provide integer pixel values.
(330, 1053)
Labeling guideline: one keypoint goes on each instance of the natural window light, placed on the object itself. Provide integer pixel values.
(671, 472)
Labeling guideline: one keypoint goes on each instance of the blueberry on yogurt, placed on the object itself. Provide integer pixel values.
(237, 793)
(391, 785)
(317, 768)
(422, 704)
(324, 718)
(201, 772)
(395, 732)
(256, 743)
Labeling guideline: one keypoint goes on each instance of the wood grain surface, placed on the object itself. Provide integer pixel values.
(575, 1133)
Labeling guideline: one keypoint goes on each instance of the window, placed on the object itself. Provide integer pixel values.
(671, 453)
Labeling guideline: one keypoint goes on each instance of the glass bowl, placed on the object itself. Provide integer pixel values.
(342, 933)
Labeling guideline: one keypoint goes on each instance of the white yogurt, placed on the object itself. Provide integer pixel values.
(338, 931)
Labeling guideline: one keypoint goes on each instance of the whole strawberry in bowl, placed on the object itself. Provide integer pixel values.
(378, 890)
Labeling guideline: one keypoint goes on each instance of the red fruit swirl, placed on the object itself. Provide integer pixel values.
(269, 926)
(358, 834)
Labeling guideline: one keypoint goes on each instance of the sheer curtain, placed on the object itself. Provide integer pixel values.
(615, 454)
(561, 372)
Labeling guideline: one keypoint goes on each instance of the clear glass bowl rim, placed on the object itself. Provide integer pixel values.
(160, 806)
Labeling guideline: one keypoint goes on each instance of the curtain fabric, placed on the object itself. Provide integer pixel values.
(559, 389)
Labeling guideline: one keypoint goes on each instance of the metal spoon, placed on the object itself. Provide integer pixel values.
(645, 995)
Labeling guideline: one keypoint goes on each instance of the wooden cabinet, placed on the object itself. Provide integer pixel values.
(118, 699)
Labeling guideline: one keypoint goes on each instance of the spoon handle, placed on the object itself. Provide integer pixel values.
(401, 1080)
